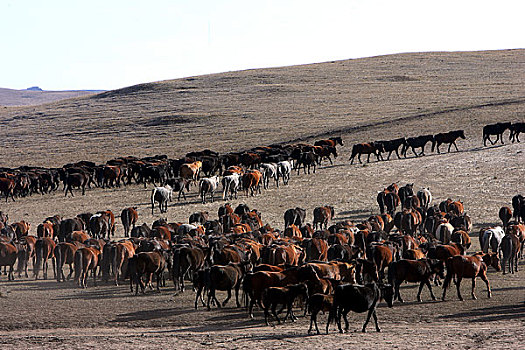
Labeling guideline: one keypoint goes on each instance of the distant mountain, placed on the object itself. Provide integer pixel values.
(36, 96)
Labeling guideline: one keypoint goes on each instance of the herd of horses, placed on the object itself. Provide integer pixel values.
(329, 266)
(335, 266)
(266, 162)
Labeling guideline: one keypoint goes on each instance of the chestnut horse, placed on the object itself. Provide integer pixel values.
(470, 267)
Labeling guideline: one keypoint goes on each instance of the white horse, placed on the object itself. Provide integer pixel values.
(492, 238)
(444, 232)
(208, 185)
(269, 171)
(425, 197)
(230, 185)
(161, 195)
(284, 170)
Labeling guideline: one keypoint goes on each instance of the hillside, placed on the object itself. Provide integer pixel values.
(34, 96)
(235, 110)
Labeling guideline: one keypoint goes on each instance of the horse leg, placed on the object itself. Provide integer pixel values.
(454, 143)
(237, 295)
(375, 320)
(250, 307)
(421, 284)
(227, 298)
(485, 279)
(396, 291)
(274, 306)
(458, 284)
(427, 282)
(312, 321)
(345, 318)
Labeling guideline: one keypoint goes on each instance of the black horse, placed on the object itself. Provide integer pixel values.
(447, 137)
(417, 142)
(495, 129)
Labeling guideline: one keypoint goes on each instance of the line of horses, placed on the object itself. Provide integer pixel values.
(402, 145)
(159, 170)
(338, 266)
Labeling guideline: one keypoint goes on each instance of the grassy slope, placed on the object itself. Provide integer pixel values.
(232, 111)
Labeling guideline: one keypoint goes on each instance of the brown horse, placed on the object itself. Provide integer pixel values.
(122, 252)
(322, 215)
(255, 283)
(382, 255)
(45, 230)
(186, 260)
(505, 214)
(8, 254)
(86, 259)
(461, 237)
(129, 217)
(64, 254)
(315, 249)
(146, 263)
(26, 251)
(44, 249)
(462, 266)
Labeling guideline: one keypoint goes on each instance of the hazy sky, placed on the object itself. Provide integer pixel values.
(73, 44)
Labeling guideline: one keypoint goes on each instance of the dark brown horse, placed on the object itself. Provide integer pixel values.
(226, 278)
(474, 266)
(64, 254)
(447, 137)
(129, 217)
(149, 264)
(44, 249)
(414, 271)
(366, 148)
(186, 260)
(8, 254)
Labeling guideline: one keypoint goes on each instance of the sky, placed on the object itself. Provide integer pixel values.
(109, 44)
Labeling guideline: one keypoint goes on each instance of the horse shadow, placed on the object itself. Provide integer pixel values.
(236, 319)
(96, 293)
(490, 314)
(357, 214)
(32, 284)
(147, 315)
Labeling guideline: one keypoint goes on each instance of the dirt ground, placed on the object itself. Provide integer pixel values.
(45, 314)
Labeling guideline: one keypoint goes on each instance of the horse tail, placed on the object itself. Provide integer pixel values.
(175, 270)
(486, 242)
(78, 266)
(59, 262)
(153, 193)
(126, 221)
(392, 272)
(225, 188)
(114, 262)
(247, 287)
(39, 250)
(450, 272)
